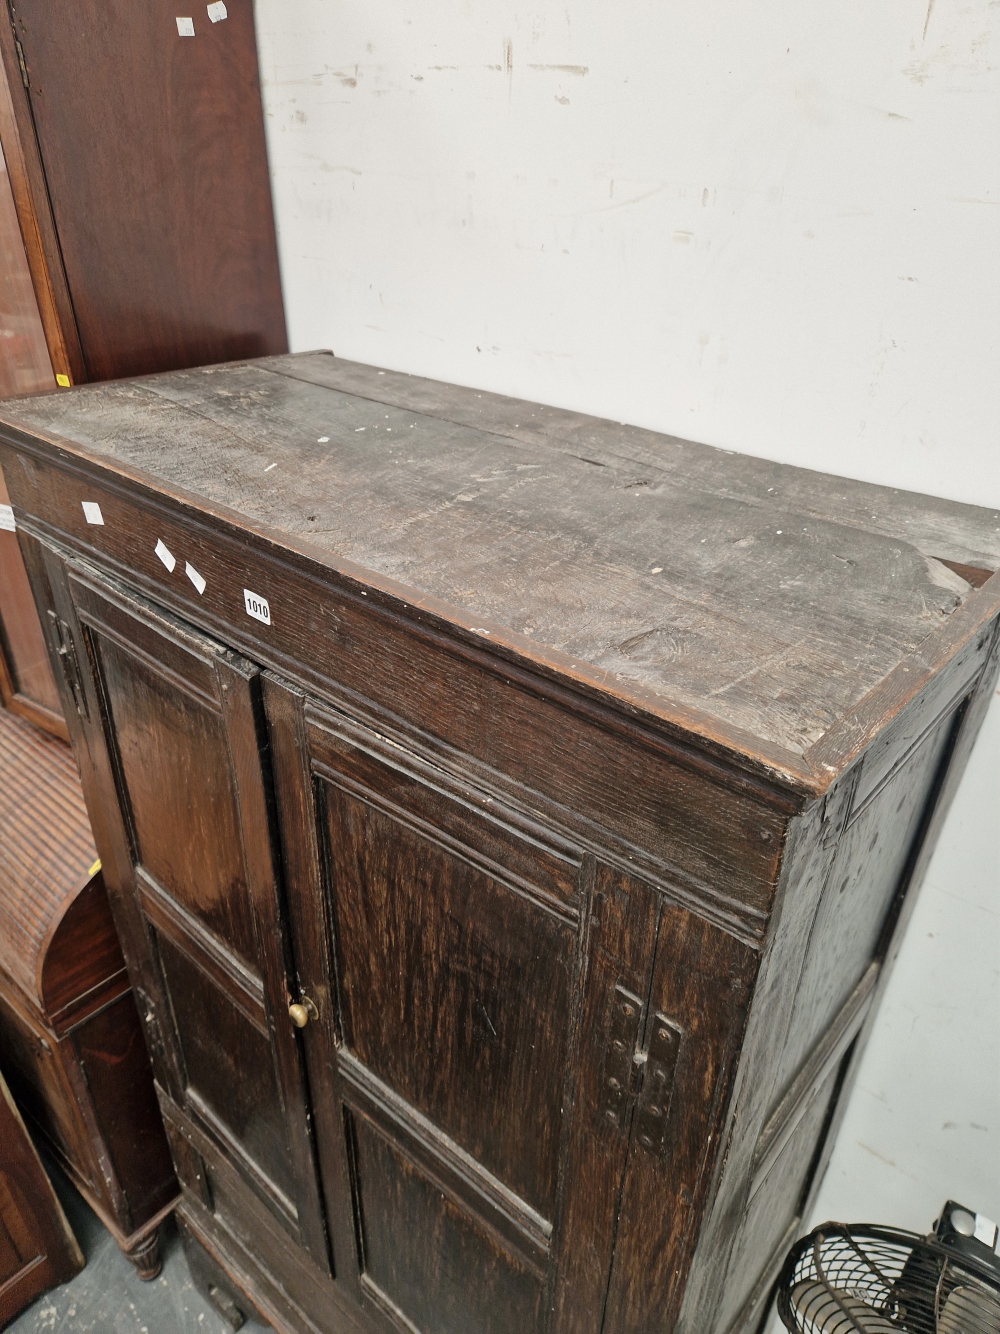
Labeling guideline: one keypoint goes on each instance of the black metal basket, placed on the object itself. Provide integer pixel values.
(864, 1279)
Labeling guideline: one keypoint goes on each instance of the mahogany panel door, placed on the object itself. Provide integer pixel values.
(37, 1247)
(482, 1024)
(171, 719)
(150, 134)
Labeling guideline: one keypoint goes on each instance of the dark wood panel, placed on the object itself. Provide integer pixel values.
(27, 685)
(182, 267)
(871, 860)
(425, 1258)
(230, 1072)
(24, 359)
(471, 1188)
(35, 1070)
(172, 722)
(702, 982)
(112, 1057)
(623, 928)
(313, 973)
(526, 855)
(290, 1289)
(84, 959)
(37, 1248)
(172, 754)
(34, 215)
(443, 972)
(776, 1203)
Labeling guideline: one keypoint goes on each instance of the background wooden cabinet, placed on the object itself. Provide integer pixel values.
(487, 987)
(37, 1248)
(139, 174)
(136, 229)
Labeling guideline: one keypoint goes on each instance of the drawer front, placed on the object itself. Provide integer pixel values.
(709, 838)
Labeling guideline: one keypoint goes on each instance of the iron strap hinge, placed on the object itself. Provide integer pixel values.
(645, 1077)
(66, 652)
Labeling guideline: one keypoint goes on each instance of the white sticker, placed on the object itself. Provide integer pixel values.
(165, 554)
(7, 524)
(92, 512)
(185, 27)
(986, 1230)
(217, 12)
(257, 606)
(197, 579)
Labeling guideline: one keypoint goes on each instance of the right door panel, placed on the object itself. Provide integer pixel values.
(463, 959)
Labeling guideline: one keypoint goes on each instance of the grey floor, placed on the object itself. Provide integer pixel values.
(107, 1298)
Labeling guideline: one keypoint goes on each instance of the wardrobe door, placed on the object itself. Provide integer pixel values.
(171, 721)
(478, 987)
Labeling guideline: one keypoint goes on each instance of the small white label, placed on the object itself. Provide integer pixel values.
(165, 554)
(257, 606)
(7, 524)
(92, 512)
(217, 12)
(185, 27)
(986, 1230)
(197, 579)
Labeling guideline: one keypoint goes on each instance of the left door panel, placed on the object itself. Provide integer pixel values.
(170, 719)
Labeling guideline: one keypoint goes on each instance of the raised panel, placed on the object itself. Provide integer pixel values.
(455, 990)
(37, 1248)
(426, 1260)
(231, 1082)
(871, 862)
(178, 782)
(174, 729)
(776, 1203)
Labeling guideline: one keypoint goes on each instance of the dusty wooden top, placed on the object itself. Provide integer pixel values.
(768, 597)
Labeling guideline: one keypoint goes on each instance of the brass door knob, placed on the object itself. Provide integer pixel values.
(302, 1010)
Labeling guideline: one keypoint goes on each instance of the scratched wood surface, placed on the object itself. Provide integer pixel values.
(506, 790)
(769, 597)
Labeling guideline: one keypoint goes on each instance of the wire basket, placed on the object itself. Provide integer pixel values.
(873, 1280)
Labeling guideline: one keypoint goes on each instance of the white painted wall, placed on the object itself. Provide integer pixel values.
(766, 225)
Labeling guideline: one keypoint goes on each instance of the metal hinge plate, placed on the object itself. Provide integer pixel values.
(653, 1108)
(66, 650)
(618, 1071)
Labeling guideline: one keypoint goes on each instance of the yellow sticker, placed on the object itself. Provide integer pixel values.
(63, 381)
(95, 868)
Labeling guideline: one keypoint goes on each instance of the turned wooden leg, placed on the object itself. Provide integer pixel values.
(145, 1255)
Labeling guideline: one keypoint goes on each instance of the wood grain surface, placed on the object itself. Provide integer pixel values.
(37, 1247)
(575, 786)
(155, 170)
(665, 568)
(47, 850)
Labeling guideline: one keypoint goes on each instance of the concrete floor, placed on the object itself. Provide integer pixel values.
(107, 1298)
